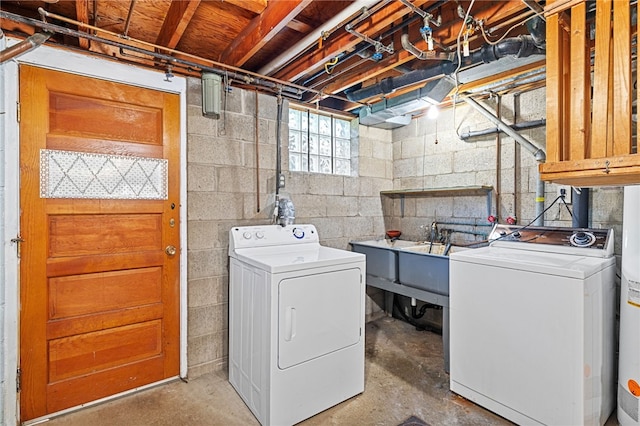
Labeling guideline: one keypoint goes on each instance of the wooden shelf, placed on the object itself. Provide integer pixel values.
(439, 192)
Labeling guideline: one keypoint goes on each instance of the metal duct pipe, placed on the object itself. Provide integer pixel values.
(24, 46)
(521, 47)
(538, 153)
(518, 126)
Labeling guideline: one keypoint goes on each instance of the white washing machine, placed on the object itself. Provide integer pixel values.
(629, 361)
(296, 322)
(532, 325)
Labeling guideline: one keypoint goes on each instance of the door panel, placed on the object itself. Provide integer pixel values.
(99, 295)
(318, 314)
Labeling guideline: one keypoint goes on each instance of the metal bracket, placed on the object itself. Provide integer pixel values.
(17, 242)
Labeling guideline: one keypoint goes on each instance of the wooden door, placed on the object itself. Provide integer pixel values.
(99, 291)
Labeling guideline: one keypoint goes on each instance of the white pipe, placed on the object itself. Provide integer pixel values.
(538, 153)
(315, 35)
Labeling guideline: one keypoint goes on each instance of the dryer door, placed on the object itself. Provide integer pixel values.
(318, 314)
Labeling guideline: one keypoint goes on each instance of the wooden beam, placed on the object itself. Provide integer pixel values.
(299, 26)
(175, 23)
(554, 90)
(601, 80)
(261, 30)
(622, 84)
(345, 41)
(580, 105)
(82, 15)
(255, 6)
(446, 34)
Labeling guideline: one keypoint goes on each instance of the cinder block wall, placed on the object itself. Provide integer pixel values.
(429, 154)
(223, 191)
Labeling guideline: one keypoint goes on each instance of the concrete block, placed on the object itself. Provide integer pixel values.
(201, 177)
(369, 207)
(606, 205)
(341, 206)
(413, 147)
(214, 206)
(376, 133)
(405, 132)
(197, 124)
(206, 319)
(328, 228)
(310, 205)
(194, 92)
(382, 150)
(438, 164)
(454, 179)
(202, 234)
(232, 101)
(200, 264)
(475, 160)
(405, 168)
(357, 228)
(208, 291)
(208, 150)
(435, 207)
(322, 184)
(366, 147)
(236, 179)
(237, 126)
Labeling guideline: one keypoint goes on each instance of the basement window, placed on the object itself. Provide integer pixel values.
(319, 143)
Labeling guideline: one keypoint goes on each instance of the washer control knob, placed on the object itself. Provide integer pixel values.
(298, 233)
(259, 235)
(247, 235)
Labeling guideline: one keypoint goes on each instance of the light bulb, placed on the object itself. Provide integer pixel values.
(433, 112)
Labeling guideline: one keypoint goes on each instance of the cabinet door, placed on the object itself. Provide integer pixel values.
(318, 314)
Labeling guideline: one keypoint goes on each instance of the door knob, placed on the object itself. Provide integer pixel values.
(171, 250)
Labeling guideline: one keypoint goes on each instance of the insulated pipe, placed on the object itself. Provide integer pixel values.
(538, 153)
(314, 36)
(24, 46)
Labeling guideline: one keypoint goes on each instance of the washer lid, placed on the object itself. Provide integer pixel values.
(564, 265)
(286, 259)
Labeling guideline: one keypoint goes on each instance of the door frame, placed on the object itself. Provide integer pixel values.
(90, 66)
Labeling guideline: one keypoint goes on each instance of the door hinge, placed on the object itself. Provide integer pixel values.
(18, 111)
(18, 380)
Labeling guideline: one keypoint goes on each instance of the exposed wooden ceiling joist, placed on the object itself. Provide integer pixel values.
(176, 21)
(261, 30)
(82, 15)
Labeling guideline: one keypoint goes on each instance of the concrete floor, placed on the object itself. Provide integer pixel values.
(404, 377)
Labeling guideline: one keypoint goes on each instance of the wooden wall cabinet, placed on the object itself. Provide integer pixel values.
(591, 138)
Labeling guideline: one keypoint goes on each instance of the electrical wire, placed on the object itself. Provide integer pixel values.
(493, 43)
(462, 28)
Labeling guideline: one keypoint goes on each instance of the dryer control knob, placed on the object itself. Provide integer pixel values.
(247, 235)
(298, 233)
(259, 235)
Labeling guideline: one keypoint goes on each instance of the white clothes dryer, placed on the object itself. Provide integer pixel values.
(296, 322)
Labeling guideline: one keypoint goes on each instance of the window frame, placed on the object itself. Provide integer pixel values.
(352, 139)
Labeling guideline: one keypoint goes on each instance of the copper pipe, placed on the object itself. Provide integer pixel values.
(257, 155)
(24, 46)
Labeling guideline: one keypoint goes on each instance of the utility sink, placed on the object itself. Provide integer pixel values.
(382, 256)
(425, 267)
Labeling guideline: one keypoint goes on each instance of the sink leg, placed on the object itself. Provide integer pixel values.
(388, 302)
